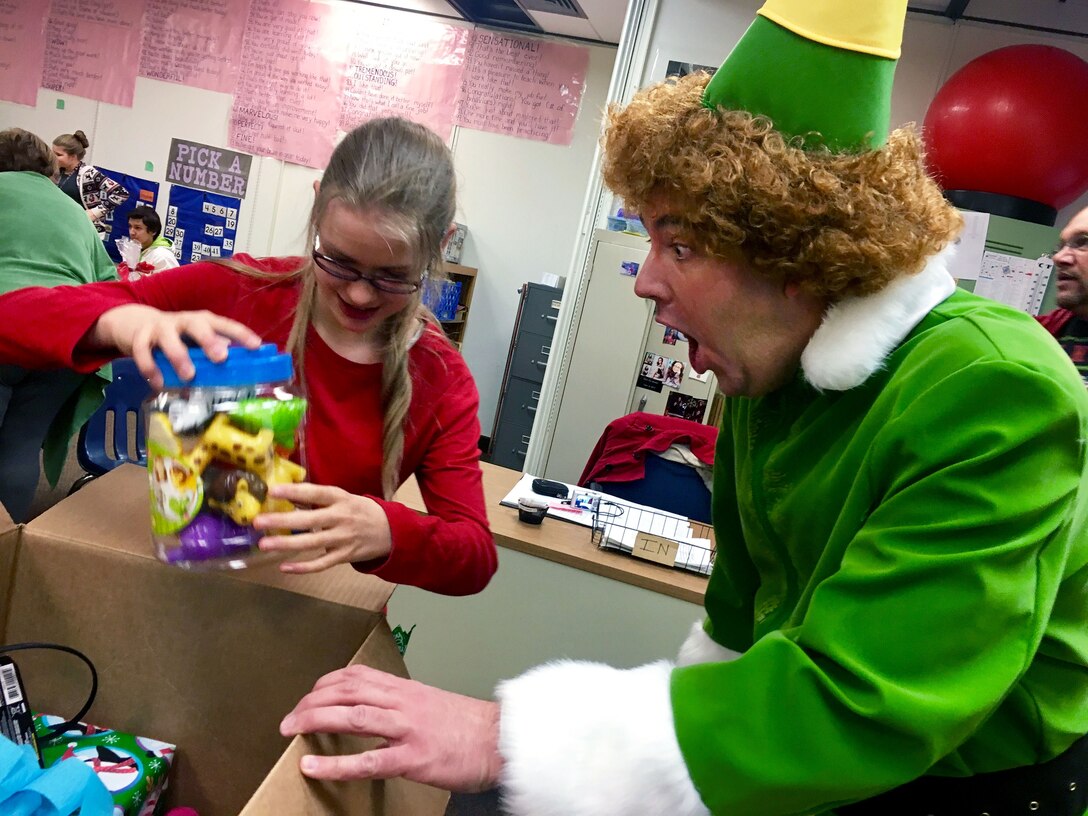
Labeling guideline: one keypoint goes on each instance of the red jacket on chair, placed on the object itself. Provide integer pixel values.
(620, 453)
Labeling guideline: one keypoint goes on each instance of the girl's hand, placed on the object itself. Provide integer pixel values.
(136, 331)
(348, 527)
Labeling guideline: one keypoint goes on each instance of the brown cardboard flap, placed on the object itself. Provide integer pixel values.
(286, 790)
(9, 548)
(127, 524)
(198, 659)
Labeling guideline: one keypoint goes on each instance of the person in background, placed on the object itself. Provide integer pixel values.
(85, 184)
(45, 241)
(897, 617)
(1069, 322)
(389, 396)
(157, 253)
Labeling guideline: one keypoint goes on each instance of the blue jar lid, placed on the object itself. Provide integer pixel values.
(243, 366)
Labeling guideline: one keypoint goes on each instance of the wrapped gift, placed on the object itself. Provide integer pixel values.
(135, 770)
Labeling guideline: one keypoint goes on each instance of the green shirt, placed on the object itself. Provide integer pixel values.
(905, 565)
(46, 238)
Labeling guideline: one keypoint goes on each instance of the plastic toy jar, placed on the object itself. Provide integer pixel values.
(215, 444)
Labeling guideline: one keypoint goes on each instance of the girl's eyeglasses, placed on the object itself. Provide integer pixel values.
(385, 283)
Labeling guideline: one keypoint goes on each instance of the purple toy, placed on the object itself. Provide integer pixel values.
(211, 535)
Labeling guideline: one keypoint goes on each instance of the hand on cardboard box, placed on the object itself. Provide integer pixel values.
(349, 528)
(432, 736)
(136, 331)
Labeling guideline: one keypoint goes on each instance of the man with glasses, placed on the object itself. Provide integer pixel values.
(1069, 322)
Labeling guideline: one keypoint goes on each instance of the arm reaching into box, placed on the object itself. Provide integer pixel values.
(435, 737)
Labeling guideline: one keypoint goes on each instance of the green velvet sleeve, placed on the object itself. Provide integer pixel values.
(938, 641)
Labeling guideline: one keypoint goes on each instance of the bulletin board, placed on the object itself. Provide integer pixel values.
(203, 225)
(141, 191)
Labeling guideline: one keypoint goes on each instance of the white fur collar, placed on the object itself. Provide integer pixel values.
(857, 334)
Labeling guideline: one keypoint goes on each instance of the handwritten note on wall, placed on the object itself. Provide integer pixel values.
(523, 87)
(287, 103)
(22, 49)
(404, 66)
(194, 42)
(92, 48)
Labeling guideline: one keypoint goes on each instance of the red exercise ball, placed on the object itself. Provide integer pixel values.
(1010, 123)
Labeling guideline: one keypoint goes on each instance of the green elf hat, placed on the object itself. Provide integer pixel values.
(823, 66)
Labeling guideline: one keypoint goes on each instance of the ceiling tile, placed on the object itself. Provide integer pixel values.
(439, 7)
(564, 26)
(606, 17)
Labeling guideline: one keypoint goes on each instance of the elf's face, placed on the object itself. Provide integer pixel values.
(748, 330)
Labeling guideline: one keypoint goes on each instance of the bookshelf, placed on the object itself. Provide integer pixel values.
(466, 276)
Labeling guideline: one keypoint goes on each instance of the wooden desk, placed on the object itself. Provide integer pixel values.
(555, 596)
(566, 543)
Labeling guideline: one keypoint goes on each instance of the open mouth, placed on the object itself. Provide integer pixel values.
(355, 313)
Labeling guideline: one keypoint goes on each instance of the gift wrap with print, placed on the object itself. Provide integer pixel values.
(215, 445)
(135, 770)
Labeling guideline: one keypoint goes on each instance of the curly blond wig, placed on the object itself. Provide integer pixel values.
(835, 224)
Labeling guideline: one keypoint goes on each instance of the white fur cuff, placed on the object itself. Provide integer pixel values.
(700, 648)
(584, 739)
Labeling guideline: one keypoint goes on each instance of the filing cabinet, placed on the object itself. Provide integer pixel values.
(530, 350)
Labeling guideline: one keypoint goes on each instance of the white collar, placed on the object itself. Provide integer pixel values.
(858, 333)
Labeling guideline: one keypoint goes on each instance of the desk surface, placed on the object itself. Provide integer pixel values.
(567, 543)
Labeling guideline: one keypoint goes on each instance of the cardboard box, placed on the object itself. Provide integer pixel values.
(209, 661)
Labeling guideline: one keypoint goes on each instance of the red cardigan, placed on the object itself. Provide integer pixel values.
(620, 453)
(451, 549)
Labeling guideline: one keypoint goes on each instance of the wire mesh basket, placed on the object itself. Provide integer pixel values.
(653, 535)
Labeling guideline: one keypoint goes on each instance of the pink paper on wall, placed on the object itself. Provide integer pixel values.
(404, 65)
(287, 103)
(92, 48)
(194, 42)
(22, 50)
(523, 87)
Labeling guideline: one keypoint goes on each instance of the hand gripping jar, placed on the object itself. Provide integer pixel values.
(214, 446)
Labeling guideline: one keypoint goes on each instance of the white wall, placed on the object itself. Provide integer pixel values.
(521, 200)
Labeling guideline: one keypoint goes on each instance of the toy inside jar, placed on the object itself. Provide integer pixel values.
(215, 444)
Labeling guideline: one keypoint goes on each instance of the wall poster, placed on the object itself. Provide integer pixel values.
(22, 50)
(92, 49)
(523, 87)
(194, 42)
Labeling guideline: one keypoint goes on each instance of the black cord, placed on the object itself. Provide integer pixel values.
(60, 728)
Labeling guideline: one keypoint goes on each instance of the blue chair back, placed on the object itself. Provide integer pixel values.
(100, 451)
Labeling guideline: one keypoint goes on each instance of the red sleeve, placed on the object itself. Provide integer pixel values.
(44, 327)
(450, 550)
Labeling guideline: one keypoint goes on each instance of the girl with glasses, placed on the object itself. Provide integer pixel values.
(389, 396)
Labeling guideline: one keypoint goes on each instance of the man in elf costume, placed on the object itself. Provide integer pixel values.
(897, 620)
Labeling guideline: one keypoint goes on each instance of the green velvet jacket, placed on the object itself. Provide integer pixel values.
(903, 562)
